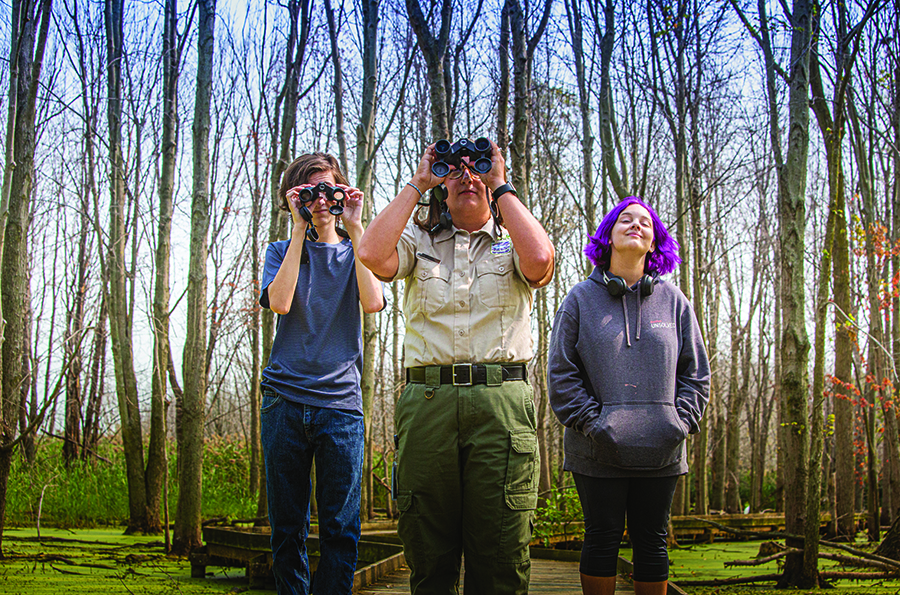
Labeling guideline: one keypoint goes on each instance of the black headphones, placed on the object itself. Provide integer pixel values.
(616, 285)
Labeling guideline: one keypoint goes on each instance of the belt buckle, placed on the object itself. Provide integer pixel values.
(458, 369)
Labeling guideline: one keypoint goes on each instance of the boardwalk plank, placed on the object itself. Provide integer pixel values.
(548, 577)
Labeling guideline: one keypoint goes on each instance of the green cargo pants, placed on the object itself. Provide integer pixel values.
(467, 483)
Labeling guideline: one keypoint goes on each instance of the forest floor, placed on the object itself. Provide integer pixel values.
(102, 561)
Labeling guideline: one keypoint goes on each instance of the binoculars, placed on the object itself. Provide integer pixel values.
(479, 154)
(307, 195)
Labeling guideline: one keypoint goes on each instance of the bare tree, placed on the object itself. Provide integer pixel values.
(282, 124)
(157, 459)
(434, 51)
(28, 39)
(523, 57)
(832, 126)
(83, 61)
(255, 165)
(795, 341)
(187, 513)
(117, 291)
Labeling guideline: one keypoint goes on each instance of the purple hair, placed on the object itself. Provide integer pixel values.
(661, 261)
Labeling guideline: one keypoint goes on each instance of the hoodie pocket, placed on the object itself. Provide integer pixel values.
(638, 435)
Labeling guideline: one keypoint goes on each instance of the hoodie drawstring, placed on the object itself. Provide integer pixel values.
(625, 313)
(639, 315)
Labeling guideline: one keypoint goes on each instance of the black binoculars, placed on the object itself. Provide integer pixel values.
(479, 154)
(307, 195)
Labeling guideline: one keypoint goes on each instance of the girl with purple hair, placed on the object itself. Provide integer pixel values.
(628, 376)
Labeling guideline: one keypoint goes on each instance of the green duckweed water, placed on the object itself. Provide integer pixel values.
(103, 561)
(703, 562)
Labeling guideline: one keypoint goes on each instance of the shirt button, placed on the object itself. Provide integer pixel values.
(501, 269)
(460, 332)
(462, 304)
(462, 274)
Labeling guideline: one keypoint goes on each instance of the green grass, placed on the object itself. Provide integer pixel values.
(95, 493)
(122, 564)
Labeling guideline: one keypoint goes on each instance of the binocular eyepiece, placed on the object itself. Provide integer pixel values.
(479, 154)
(307, 195)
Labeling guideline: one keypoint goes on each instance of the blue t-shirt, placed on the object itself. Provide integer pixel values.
(316, 356)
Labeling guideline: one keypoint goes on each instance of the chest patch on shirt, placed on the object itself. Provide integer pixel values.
(501, 247)
(661, 324)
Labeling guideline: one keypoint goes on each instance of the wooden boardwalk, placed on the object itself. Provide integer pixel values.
(547, 577)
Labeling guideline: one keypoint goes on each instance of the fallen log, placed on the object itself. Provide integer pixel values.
(737, 580)
(759, 561)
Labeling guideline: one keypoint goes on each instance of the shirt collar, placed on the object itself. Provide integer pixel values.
(488, 228)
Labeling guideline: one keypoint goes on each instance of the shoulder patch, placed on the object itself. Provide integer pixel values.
(501, 247)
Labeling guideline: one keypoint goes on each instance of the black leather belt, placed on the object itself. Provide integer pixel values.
(466, 374)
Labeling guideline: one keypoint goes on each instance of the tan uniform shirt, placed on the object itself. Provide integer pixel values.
(466, 299)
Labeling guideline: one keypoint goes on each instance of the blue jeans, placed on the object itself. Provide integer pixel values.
(292, 435)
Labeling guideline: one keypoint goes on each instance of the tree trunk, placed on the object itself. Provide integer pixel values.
(257, 468)
(338, 86)
(876, 389)
(434, 52)
(890, 546)
(539, 374)
(574, 19)
(187, 513)
(503, 83)
(117, 292)
(365, 165)
(699, 302)
(732, 423)
(894, 194)
(157, 459)
(719, 457)
(28, 38)
(523, 56)
(605, 110)
(795, 342)
(285, 118)
(72, 444)
(816, 424)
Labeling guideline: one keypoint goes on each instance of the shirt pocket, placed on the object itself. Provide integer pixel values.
(494, 275)
(434, 280)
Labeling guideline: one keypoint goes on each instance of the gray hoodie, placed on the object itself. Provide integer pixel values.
(628, 377)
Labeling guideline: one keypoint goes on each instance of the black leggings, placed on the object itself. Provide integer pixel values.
(606, 501)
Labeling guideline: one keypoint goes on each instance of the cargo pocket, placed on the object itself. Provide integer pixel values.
(409, 529)
(404, 501)
(521, 471)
